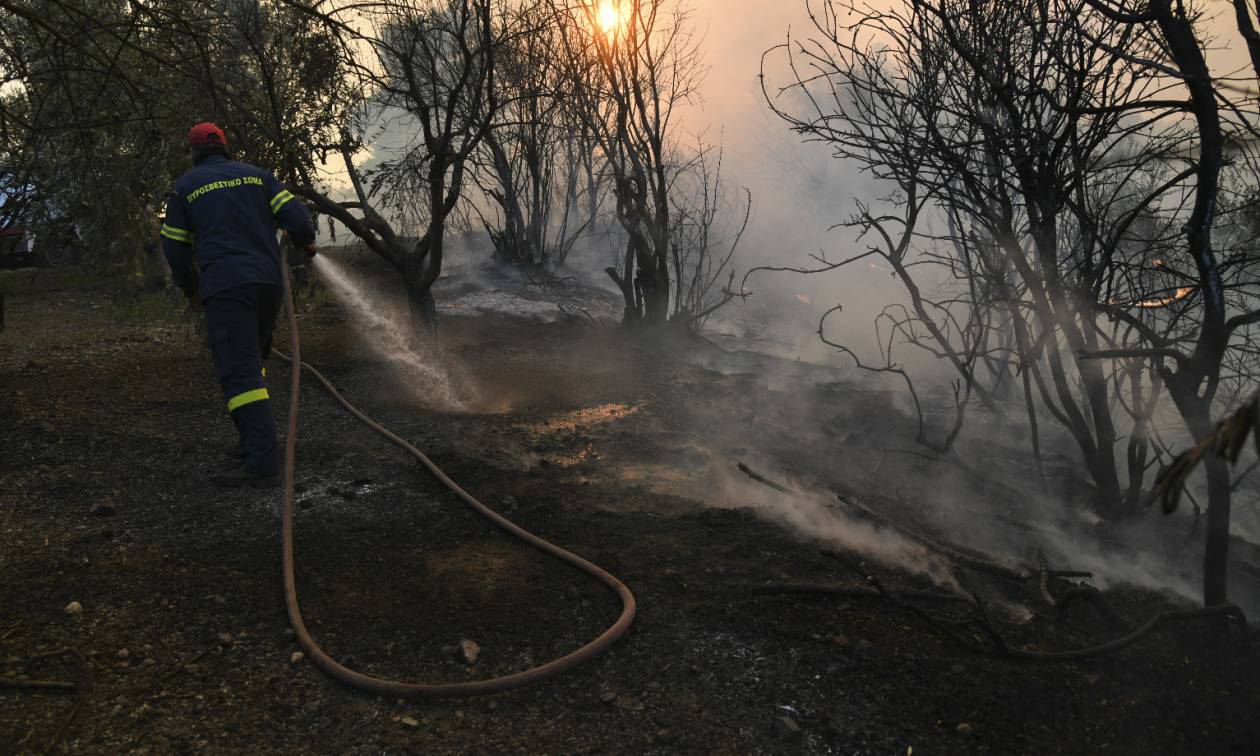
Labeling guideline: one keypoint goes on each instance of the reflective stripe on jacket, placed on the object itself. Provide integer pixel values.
(228, 212)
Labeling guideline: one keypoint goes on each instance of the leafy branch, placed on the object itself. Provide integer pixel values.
(1228, 441)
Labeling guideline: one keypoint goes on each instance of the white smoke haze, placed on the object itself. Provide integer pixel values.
(851, 438)
(1153, 553)
(820, 518)
(421, 365)
(800, 193)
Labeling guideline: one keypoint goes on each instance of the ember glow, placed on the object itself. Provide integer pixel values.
(1158, 302)
(1180, 294)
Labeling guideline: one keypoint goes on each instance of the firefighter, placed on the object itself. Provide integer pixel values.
(219, 238)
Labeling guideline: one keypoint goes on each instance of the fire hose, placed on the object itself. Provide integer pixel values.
(393, 688)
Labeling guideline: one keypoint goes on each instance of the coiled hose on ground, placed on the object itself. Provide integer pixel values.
(392, 688)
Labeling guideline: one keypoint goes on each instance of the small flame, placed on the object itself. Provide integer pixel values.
(804, 298)
(1154, 304)
(1158, 262)
(1181, 293)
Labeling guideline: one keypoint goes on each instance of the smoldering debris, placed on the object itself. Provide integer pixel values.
(904, 551)
(473, 284)
(817, 517)
(504, 302)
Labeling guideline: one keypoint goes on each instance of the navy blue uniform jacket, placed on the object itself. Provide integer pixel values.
(228, 212)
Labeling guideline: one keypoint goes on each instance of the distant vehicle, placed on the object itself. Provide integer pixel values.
(20, 248)
(14, 247)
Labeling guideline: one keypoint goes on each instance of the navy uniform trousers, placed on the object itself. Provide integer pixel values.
(239, 324)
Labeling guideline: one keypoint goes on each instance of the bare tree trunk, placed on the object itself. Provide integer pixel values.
(1197, 414)
(421, 305)
(625, 280)
(1216, 551)
(539, 187)
(509, 243)
(653, 284)
(592, 188)
(1103, 465)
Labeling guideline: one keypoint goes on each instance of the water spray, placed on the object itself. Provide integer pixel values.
(390, 338)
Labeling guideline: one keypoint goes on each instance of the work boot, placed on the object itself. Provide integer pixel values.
(239, 476)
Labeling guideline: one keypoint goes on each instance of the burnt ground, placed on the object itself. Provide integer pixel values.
(619, 448)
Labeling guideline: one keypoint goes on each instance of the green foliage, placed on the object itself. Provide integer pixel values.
(92, 123)
(77, 125)
(273, 76)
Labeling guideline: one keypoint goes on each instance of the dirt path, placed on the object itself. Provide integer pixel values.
(586, 437)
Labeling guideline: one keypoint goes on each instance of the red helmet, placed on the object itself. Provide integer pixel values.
(206, 133)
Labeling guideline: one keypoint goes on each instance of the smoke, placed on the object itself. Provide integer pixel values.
(421, 365)
(800, 193)
(820, 429)
(1150, 553)
(817, 517)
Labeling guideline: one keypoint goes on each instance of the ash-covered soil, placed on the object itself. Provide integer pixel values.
(617, 446)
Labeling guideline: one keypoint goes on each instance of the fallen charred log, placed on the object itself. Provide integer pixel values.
(1075, 593)
(1000, 648)
(958, 554)
(745, 469)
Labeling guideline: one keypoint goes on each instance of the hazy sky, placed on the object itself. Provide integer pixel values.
(789, 221)
(736, 32)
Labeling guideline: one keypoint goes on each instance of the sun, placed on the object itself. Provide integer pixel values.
(609, 16)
